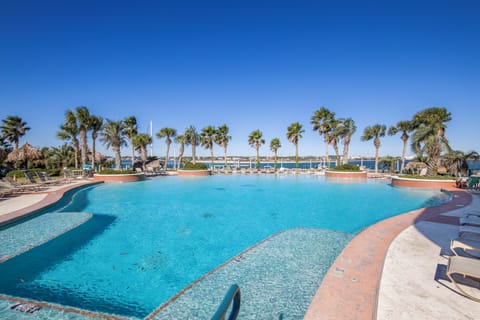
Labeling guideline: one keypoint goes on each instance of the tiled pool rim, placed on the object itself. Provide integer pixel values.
(338, 297)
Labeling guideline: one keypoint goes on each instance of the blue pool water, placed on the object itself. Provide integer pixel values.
(146, 241)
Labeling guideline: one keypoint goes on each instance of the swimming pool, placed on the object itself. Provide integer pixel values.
(148, 240)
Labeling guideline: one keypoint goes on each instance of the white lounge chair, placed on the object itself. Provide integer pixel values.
(470, 221)
(468, 230)
(467, 267)
(466, 245)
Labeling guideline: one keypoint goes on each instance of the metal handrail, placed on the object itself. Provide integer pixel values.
(233, 294)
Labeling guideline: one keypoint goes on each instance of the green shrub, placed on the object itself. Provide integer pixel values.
(113, 171)
(347, 167)
(194, 166)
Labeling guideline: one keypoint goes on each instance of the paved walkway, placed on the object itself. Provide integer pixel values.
(21, 204)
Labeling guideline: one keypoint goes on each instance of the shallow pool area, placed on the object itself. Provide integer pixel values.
(148, 240)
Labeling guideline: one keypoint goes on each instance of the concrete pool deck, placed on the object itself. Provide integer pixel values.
(394, 269)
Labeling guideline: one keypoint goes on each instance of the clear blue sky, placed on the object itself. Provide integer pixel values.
(249, 64)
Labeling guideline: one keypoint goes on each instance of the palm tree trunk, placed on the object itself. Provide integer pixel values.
(258, 157)
(180, 156)
(93, 154)
(327, 157)
(346, 145)
(83, 147)
(194, 158)
(118, 158)
(211, 158)
(75, 153)
(166, 157)
(225, 154)
(144, 156)
(275, 161)
(296, 156)
(376, 159)
(432, 166)
(337, 154)
(404, 152)
(133, 154)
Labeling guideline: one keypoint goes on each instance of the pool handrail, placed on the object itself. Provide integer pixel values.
(232, 294)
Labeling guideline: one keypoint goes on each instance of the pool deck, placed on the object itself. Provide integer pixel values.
(394, 269)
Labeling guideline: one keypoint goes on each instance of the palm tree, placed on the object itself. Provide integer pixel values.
(429, 135)
(63, 156)
(193, 139)
(346, 129)
(141, 141)
(96, 124)
(405, 127)
(181, 140)
(113, 136)
(222, 139)
(13, 129)
(255, 140)
(69, 132)
(457, 161)
(207, 139)
(335, 135)
(374, 132)
(83, 119)
(130, 130)
(322, 122)
(294, 133)
(167, 133)
(274, 146)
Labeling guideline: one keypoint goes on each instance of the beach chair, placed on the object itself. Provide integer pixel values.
(469, 231)
(465, 245)
(44, 180)
(32, 180)
(467, 267)
(470, 221)
(472, 213)
(18, 187)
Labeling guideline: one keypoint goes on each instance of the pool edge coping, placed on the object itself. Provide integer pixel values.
(350, 288)
(51, 198)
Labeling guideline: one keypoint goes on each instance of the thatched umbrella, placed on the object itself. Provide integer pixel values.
(24, 153)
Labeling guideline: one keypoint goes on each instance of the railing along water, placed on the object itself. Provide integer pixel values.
(233, 294)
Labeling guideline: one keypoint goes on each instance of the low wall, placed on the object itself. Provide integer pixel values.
(119, 177)
(422, 183)
(193, 173)
(346, 174)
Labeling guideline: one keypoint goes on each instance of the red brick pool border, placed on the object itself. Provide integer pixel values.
(350, 287)
(346, 174)
(119, 177)
(193, 173)
(422, 183)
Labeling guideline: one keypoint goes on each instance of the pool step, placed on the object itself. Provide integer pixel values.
(279, 277)
(26, 235)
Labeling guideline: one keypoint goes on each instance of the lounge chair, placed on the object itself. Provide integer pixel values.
(18, 187)
(468, 267)
(32, 180)
(468, 230)
(466, 245)
(472, 213)
(470, 221)
(43, 178)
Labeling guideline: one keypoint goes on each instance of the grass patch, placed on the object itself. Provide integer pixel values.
(347, 168)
